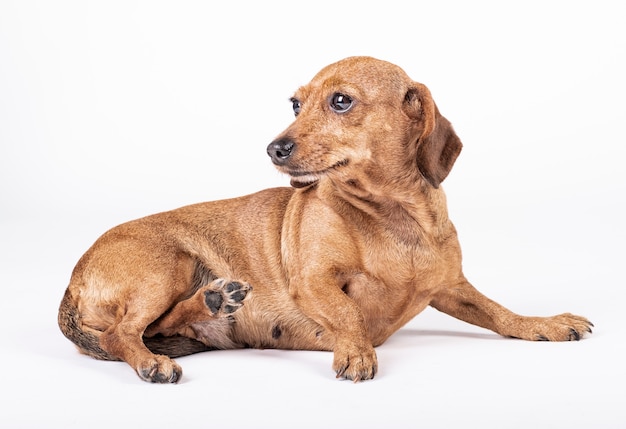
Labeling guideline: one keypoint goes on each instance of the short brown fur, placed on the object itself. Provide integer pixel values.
(360, 245)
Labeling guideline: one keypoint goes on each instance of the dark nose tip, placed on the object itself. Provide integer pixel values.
(280, 150)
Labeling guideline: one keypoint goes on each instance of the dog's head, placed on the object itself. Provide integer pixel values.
(363, 121)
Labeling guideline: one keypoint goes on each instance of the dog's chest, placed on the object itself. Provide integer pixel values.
(403, 277)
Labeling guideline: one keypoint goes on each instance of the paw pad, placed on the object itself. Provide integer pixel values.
(225, 296)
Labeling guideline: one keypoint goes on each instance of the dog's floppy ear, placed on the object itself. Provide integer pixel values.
(438, 145)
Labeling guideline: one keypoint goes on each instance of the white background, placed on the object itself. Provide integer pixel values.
(113, 110)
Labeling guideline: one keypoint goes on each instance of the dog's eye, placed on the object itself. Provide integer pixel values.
(340, 103)
(296, 106)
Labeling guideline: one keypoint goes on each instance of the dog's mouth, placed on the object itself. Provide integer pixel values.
(302, 179)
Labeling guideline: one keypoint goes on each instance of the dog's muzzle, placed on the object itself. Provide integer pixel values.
(280, 150)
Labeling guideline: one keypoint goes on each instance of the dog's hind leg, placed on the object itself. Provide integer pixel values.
(124, 340)
(464, 302)
(205, 316)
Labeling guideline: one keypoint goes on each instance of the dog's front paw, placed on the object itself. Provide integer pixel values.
(355, 363)
(224, 297)
(564, 327)
(159, 369)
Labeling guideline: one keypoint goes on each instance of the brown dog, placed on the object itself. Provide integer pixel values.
(359, 247)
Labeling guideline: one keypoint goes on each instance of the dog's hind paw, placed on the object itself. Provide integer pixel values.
(224, 297)
(160, 369)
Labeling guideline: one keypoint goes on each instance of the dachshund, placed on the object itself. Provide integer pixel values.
(357, 246)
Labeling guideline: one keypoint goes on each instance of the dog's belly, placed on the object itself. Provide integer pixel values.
(274, 322)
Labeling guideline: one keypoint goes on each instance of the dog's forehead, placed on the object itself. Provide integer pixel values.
(365, 75)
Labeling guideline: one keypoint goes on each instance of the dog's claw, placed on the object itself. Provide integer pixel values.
(341, 372)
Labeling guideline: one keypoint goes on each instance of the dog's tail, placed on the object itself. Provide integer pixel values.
(89, 342)
(71, 326)
(175, 346)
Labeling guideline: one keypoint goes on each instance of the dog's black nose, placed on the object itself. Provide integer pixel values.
(280, 150)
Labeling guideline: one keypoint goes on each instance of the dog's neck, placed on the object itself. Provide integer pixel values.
(396, 209)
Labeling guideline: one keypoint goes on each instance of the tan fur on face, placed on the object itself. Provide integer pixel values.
(339, 264)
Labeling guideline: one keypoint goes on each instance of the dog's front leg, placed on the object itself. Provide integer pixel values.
(464, 302)
(324, 301)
